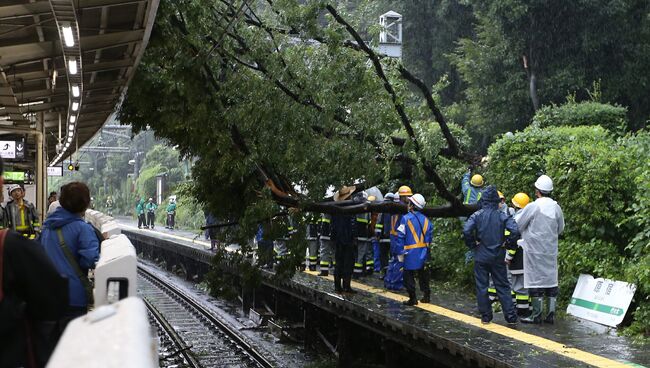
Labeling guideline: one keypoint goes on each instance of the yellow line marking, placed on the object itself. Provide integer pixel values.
(541, 342)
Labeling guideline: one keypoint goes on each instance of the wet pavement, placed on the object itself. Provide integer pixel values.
(568, 331)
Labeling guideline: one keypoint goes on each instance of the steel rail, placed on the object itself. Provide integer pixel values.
(256, 355)
(183, 348)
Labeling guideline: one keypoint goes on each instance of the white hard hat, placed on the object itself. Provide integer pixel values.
(544, 184)
(396, 197)
(389, 196)
(151, 199)
(418, 201)
(12, 187)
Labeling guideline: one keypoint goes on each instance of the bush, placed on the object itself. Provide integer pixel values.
(594, 184)
(516, 161)
(607, 116)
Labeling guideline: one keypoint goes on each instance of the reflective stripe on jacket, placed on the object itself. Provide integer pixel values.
(414, 234)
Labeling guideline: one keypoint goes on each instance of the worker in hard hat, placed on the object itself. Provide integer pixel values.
(363, 234)
(312, 241)
(383, 225)
(326, 249)
(503, 207)
(376, 227)
(171, 213)
(515, 261)
(541, 223)
(21, 214)
(151, 213)
(280, 245)
(109, 206)
(484, 232)
(139, 212)
(471, 188)
(414, 235)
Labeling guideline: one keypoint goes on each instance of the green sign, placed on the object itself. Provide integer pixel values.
(14, 175)
(597, 307)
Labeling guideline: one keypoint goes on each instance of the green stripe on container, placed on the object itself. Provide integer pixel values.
(597, 307)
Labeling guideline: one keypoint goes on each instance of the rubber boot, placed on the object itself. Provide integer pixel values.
(550, 317)
(412, 300)
(337, 284)
(426, 298)
(536, 315)
(312, 268)
(347, 281)
(324, 272)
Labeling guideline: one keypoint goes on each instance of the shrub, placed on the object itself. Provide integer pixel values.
(516, 161)
(610, 117)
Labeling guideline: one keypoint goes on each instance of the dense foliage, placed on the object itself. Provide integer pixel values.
(284, 92)
(607, 116)
(599, 185)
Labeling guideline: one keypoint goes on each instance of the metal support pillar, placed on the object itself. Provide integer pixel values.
(41, 168)
(344, 343)
(310, 321)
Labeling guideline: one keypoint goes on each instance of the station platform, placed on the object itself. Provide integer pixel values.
(451, 321)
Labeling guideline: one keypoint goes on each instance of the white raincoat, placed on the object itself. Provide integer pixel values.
(540, 224)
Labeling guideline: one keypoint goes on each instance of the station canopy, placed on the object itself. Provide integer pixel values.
(67, 63)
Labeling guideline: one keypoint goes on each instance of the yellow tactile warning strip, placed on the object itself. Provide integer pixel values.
(540, 342)
(546, 344)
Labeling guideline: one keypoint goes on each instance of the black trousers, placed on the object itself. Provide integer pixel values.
(384, 250)
(171, 219)
(540, 292)
(344, 255)
(141, 220)
(423, 280)
(151, 217)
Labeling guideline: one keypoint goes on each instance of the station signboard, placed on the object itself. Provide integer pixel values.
(14, 175)
(54, 171)
(601, 300)
(8, 149)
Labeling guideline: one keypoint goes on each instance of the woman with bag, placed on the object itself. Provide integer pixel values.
(73, 246)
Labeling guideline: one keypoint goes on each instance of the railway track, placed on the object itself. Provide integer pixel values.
(190, 334)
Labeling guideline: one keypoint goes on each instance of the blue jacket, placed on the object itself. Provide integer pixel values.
(80, 238)
(393, 223)
(414, 234)
(471, 194)
(487, 226)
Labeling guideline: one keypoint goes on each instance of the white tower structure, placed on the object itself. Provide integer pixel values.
(390, 37)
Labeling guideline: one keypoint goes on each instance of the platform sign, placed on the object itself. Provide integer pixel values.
(601, 300)
(20, 148)
(8, 149)
(54, 171)
(14, 175)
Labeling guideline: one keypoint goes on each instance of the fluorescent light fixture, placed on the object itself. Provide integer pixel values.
(3, 118)
(75, 106)
(55, 74)
(31, 103)
(67, 35)
(70, 134)
(72, 66)
(75, 90)
(71, 126)
(69, 140)
(73, 118)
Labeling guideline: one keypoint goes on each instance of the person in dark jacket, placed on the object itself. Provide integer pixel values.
(484, 232)
(32, 296)
(73, 246)
(343, 236)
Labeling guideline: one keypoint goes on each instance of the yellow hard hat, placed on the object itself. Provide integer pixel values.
(520, 200)
(477, 180)
(405, 191)
(501, 195)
